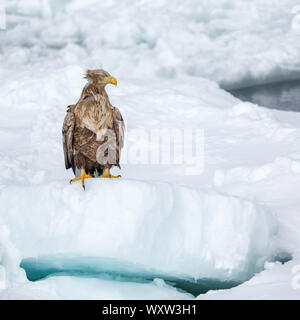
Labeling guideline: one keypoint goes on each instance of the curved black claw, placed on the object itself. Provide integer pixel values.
(71, 181)
(83, 188)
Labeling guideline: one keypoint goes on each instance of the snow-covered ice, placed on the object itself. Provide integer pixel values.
(167, 228)
(230, 221)
(234, 42)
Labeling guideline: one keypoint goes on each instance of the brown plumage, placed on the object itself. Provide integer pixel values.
(93, 130)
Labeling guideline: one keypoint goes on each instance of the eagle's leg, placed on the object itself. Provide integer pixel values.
(82, 176)
(107, 174)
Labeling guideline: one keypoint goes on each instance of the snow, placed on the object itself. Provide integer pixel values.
(236, 43)
(10, 272)
(277, 282)
(227, 211)
(70, 288)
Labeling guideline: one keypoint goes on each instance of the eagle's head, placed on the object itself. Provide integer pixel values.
(100, 77)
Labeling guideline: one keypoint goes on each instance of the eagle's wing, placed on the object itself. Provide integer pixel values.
(119, 127)
(67, 133)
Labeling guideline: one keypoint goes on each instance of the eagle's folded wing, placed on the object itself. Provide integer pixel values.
(67, 133)
(119, 127)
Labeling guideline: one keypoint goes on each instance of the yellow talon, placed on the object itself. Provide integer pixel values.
(107, 174)
(82, 176)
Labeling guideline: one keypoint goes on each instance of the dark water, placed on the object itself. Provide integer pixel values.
(111, 269)
(282, 95)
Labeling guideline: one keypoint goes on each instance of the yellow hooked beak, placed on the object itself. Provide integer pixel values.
(111, 80)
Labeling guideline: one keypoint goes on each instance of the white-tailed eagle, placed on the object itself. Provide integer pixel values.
(93, 130)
